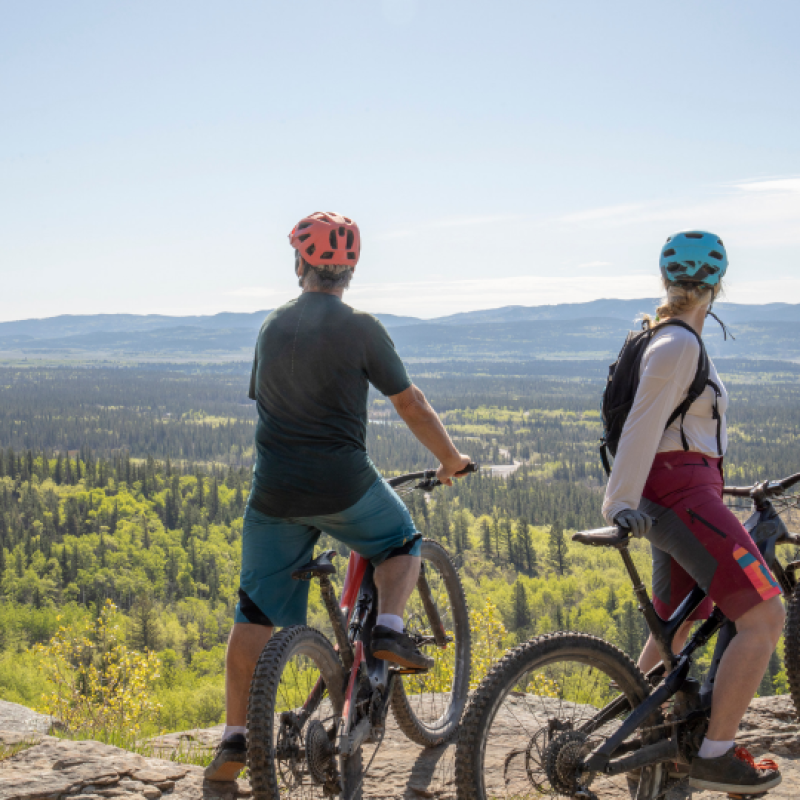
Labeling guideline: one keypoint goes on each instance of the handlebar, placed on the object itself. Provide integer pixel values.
(427, 477)
(770, 488)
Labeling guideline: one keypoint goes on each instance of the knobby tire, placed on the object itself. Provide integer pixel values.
(262, 710)
(500, 681)
(791, 640)
(432, 733)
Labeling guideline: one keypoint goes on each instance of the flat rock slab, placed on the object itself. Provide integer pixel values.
(15, 718)
(56, 769)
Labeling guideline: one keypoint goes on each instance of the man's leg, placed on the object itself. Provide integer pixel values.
(743, 666)
(395, 580)
(244, 648)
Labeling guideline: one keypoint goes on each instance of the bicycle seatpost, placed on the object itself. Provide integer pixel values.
(338, 621)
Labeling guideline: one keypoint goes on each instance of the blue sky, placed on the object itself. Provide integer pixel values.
(154, 155)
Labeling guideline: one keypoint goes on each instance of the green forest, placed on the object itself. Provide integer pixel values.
(128, 485)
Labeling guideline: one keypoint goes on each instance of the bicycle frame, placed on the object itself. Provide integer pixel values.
(352, 618)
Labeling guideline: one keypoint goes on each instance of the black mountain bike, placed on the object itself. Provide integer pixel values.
(314, 705)
(568, 714)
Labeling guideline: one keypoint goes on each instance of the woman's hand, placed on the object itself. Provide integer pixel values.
(637, 522)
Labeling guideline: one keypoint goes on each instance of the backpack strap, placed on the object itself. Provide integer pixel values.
(696, 388)
(716, 415)
(604, 456)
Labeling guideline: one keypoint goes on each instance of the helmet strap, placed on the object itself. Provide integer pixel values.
(725, 330)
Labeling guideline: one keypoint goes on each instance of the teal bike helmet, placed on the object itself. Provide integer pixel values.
(693, 257)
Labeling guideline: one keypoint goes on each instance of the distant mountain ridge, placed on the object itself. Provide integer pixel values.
(627, 310)
(593, 330)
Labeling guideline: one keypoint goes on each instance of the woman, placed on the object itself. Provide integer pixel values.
(675, 475)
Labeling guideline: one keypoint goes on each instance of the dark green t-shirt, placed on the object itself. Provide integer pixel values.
(315, 358)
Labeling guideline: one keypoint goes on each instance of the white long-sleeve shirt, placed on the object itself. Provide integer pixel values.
(667, 370)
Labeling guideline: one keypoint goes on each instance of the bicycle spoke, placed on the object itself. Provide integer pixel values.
(295, 779)
(535, 744)
(428, 693)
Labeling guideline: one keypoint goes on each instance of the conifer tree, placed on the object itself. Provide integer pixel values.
(527, 553)
(557, 549)
(486, 538)
(522, 609)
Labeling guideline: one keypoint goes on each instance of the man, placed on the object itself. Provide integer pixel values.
(315, 358)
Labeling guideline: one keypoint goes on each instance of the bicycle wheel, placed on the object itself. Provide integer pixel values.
(296, 701)
(525, 733)
(791, 643)
(428, 706)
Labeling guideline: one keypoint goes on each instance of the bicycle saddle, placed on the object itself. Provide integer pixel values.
(613, 536)
(320, 566)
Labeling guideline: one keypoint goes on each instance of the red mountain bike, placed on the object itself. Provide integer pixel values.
(313, 706)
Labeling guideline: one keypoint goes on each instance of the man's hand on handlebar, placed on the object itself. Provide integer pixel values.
(637, 522)
(447, 472)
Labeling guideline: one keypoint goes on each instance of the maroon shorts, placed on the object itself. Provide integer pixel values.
(698, 540)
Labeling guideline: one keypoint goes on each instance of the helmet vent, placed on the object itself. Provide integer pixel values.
(694, 235)
(302, 225)
(341, 230)
(668, 253)
(327, 255)
(303, 236)
(332, 240)
(674, 267)
(715, 254)
(310, 250)
(706, 271)
(350, 238)
(351, 255)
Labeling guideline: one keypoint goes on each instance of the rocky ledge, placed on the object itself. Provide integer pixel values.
(58, 769)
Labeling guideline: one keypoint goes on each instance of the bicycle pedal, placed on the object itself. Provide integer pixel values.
(747, 796)
(407, 671)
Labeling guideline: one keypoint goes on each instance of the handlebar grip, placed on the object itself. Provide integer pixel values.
(471, 467)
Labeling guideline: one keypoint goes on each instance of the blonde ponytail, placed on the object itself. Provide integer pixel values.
(680, 298)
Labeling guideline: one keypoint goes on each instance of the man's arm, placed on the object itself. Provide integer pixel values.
(425, 424)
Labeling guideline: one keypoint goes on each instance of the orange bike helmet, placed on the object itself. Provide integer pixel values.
(326, 237)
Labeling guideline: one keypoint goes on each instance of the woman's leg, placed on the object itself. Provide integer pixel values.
(650, 656)
(743, 666)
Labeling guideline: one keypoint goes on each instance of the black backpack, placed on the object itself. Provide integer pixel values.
(623, 381)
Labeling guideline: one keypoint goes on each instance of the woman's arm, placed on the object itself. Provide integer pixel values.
(668, 369)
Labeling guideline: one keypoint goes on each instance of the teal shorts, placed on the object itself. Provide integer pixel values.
(377, 527)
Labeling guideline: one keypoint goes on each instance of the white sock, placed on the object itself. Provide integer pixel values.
(712, 749)
(390, 621)
(232, 730)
